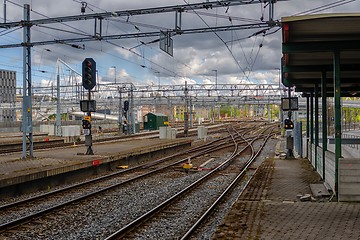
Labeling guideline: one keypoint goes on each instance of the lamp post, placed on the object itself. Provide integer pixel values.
(114, 67)
(158, 78)
(279, 69)
(215, 79)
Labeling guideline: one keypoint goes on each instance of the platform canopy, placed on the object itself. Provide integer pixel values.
(309, 45)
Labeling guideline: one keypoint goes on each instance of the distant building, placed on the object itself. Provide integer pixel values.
(7, 96)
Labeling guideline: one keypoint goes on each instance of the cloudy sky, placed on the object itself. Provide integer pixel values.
(236, 56)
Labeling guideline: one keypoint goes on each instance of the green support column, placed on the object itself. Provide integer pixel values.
(324, 119)
(307, 125)
(316, 127)
(311, 124)
(337, 98)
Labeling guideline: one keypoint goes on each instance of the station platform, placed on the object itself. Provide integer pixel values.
(57, 161)
(275, 207)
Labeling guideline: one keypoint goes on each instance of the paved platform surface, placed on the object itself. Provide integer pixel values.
(46, 163)
(271, 208)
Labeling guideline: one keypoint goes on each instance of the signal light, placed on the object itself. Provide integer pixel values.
(89, 73)
(126, 106)
(86, 124)
(288, 124)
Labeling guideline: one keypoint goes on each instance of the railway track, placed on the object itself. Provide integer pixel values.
(174, 208)
(55, 198)
(107, 184)
(16, 146)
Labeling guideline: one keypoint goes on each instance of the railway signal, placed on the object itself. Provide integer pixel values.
(126, 106)
(288, 124)
(86, 124)
(88, 82)
(89, 73)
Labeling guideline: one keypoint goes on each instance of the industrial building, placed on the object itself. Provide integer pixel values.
(7, 96)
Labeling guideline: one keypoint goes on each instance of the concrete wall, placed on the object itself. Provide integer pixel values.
(349, 173)
(330, 169)
(320, 161)
(349, 179)
(313, 157)
(305, 148)
(329, 164)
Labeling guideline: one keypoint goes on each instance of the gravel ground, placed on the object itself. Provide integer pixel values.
(208, 229)
(100, 216)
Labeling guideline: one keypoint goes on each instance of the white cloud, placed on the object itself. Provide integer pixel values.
(195, 55)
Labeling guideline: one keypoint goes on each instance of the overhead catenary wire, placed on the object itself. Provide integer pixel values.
(237, 63)
(136, 24)
(7, 31)
(43, 15)
(90, 35)
(325, 7)
(139, 55)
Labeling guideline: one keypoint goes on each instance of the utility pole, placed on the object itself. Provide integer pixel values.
(120, 110)
(186, 116)
(132, 112)
(27, 91)
(215, 79)
(114, 67)
(4, 11)
(58, 113)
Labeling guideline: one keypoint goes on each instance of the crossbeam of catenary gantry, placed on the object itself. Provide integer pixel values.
(141, 35)
(134, 12)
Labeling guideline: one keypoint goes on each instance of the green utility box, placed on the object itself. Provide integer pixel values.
(152, 121)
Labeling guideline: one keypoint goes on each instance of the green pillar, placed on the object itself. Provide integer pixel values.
(307, 125)
(337, 98)
(324, 119)
(311, 124)
(316, 127)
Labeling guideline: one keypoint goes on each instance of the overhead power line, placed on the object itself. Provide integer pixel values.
(325, 7)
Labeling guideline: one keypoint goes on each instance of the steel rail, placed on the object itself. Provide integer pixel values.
(138, 221)
(207, 213)
(25, 219)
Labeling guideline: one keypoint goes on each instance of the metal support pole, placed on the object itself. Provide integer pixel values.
(271, 11)
(191, 113)
(171, 109)
(27, 90)
(58, 116)
(128, 115)
(337, 105)
(290, 138)
(216, 88)
(186, 116)
(311, 124)
(120, 120)
(178, 20)
(324, 119)
(316, 143)
(132, 112)
(4, 11)
(307, 125)
(88, 138)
